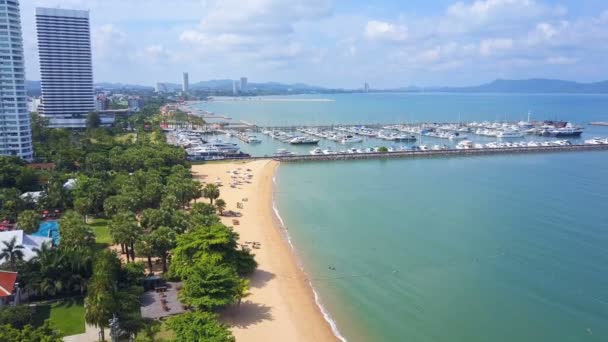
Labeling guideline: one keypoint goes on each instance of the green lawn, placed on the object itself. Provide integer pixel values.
(102, 232)
(67, 315)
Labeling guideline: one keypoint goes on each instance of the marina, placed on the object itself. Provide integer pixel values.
(216, 142)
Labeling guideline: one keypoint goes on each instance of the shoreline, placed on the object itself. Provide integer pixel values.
(283, 305)
(280, 226)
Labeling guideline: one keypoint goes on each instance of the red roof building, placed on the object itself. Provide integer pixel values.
(7, 284)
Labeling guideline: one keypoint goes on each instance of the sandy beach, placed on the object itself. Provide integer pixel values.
(281, 305)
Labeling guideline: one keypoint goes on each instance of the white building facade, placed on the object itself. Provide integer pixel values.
(185, 83)
(15, 126)
(66, 68)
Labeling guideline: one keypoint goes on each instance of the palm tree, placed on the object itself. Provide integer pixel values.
(220, 204)
(145, 247)
(211, 191)
(12, 252)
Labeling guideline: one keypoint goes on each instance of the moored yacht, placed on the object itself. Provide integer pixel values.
(509, 134)
(351, 139)
(317, 152)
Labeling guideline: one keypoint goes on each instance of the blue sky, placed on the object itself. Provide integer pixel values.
(340, 43)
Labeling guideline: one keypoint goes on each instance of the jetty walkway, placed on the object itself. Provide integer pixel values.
(442, 153)
(427, 154)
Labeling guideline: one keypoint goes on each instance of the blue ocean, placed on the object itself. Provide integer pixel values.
(489, 248)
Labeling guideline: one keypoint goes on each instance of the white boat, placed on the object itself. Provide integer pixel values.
(457, 136)
(329, 151)
(252, 139)
(509, 134)
(423, 148)
(351, 139)
(283, 152)
(304, 141)
(595, 141)
(465, 145)
(316, 152)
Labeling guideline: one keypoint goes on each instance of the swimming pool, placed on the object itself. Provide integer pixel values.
(49, 229)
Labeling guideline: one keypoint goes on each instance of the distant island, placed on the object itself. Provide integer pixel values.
(225, 87)
(530, 86)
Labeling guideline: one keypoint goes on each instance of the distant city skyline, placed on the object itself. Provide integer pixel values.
(339, 44)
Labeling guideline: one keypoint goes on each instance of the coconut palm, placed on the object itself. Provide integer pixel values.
(220, 204)
(211, 191)
(12, 252)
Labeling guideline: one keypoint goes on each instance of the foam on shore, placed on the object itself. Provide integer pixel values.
(324, 312)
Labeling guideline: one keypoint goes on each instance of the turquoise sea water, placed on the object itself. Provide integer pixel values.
(475, 249)
(498, 248)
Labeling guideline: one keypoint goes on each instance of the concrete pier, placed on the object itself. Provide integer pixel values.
(443, 153)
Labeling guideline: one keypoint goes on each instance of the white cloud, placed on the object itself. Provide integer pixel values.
(561, 60)
(489, 47)
(381, 30)
(316, 42)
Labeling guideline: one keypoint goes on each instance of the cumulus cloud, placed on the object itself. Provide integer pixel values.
(489, 47)
(318, 42)
(381, 30)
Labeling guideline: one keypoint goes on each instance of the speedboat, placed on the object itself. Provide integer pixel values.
(594, 141)
(283, 153)
(304, 141)
(317, 152)
(423, 148)
(457, 136)
(509, 134)
(252, 139)
(329, 151)
(351, 139)
(464, 145)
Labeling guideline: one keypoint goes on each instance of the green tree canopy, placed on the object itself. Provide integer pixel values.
(74, 232)
(211, 191)
(125, 230)
(28, 220)
(199, 326)
(210, 286)
(45, 333)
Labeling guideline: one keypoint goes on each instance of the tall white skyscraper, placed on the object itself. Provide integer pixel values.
(185, 83)
(66, 68)
(243, 84)
(15, 127)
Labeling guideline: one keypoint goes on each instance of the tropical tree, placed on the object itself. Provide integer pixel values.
(90, 193)
(199, 326)
(242, 291)
(101, 300)
(145, 247)
(211, 191)
(55, 196)
(93, 120)
(45, 333)
(152, 219)
(12, 252)
(215, 243)
(74, 232)
(125, 231)
(163, 240)
(28, 220)
(209, 286)
(220, 204)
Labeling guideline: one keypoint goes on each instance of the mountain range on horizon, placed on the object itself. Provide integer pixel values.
(527, 86)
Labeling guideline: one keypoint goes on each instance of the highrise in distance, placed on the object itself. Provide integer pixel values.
(185, 83)
(15, 127)
(243, 84)
(66, 68)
